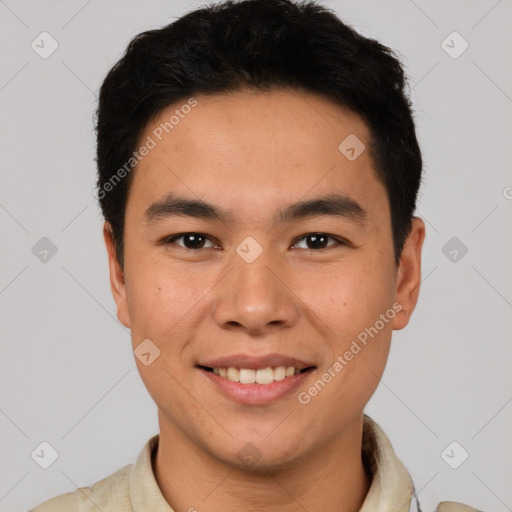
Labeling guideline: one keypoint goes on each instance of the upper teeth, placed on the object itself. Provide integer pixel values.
(262, 376)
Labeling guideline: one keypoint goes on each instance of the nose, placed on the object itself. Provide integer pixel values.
(255, 298)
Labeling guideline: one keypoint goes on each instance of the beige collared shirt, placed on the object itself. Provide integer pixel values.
(134, 488)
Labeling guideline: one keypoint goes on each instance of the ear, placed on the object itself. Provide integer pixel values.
(117, 282)
(409, 274)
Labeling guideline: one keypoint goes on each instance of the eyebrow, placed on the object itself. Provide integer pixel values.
(332, 204)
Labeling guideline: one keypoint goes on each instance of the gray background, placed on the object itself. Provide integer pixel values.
(67, 372)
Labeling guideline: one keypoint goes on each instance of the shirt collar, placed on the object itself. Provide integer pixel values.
(391, 489)
(145, 495)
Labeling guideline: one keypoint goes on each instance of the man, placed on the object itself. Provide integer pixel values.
(258, 171)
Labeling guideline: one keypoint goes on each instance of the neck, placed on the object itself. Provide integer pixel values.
(333, 479)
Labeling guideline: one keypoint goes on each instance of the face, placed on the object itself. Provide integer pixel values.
(252, 241)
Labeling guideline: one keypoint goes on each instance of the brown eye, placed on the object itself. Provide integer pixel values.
(319, 241)
(190, 240)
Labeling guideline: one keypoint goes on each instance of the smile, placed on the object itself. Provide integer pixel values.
(256, 376)
(250, 386)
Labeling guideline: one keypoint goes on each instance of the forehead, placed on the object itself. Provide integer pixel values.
(253, 148)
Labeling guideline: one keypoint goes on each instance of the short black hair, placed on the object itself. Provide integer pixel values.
(261, 45)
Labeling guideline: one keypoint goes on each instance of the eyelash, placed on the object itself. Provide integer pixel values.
(339, 241)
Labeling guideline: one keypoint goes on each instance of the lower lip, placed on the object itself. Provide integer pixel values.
(257, 394)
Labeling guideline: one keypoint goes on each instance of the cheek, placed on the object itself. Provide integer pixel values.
(365, 328)
(161, 310)
(359, 342)
(160, 297)
(349, 299)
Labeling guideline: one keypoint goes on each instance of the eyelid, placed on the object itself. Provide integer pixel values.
(339, 240)
(172, 238)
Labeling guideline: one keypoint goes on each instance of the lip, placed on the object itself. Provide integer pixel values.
(257, 394)
(255, 362)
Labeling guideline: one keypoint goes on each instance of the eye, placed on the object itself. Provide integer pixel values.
(319, 241)
(190, 240)
(194, 241)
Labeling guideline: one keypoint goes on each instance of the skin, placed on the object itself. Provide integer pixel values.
(253, 153)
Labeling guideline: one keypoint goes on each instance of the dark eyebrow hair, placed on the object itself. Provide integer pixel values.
(331, 204)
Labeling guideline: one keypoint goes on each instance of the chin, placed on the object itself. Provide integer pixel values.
(248, 456)
(263, 465)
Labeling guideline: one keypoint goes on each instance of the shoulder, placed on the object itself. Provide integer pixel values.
(452, 506)
(111, 494)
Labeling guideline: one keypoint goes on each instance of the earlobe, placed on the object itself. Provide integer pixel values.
(117, 281)
(409, 274)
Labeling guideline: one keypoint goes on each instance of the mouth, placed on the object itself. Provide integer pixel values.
(260, 376)
(252, 380)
